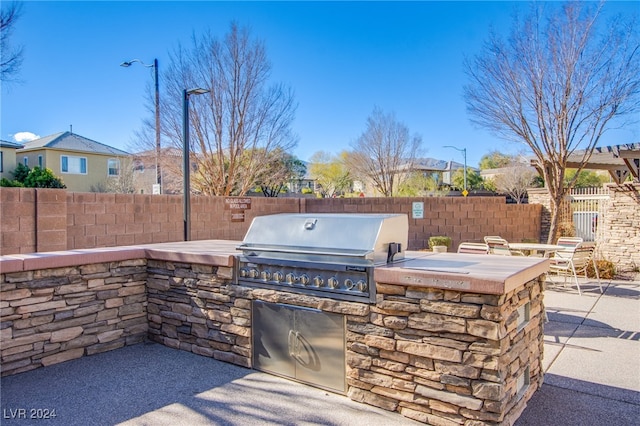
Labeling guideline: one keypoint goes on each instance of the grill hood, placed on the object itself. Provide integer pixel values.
(364, 238)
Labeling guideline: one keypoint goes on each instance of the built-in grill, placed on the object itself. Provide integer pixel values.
(329, 255)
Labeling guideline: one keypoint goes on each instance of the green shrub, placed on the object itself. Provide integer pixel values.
(10, 183)
(439, 241)
(307, 191)
(43, 178)
(20, 173)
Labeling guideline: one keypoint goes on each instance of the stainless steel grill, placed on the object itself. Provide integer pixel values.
(330, 255)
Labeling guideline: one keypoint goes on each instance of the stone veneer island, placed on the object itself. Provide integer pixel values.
(452, 338)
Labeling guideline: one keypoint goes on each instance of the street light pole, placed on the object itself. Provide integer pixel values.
(186, 211)
(464, 155)
(157, 107)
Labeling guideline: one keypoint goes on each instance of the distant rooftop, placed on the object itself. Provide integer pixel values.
(7, 144)
(72, 142)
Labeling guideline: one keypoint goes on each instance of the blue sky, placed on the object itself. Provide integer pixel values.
(341, 59)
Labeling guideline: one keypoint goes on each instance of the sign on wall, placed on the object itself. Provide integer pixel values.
(237, 205)
(417, 210)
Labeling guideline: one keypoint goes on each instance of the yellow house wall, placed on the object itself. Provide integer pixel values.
(96, 167)
(8, 162)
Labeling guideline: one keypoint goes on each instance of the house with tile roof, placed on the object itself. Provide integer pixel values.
(79, 161)
(8, 158)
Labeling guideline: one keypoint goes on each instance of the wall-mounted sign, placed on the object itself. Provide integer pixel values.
(237, 203)
(417, 210)
(237, 216)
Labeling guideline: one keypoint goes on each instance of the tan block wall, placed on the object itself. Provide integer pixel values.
(90, 220)
(463, 219)
(17, 220)
(54, 315)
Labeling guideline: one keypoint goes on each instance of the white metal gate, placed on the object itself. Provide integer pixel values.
(588, 209)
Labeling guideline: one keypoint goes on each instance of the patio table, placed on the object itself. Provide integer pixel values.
(534, 248)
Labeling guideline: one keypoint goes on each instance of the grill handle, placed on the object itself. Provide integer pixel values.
(288, 250)
(394, 248)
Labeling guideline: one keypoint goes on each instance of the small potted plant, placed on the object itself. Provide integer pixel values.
(439, 244)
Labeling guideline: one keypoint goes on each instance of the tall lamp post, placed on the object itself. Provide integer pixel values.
(185, 159)
(157, 101)
(464, 154)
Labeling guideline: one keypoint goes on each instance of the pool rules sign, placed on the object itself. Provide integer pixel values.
(237, 205)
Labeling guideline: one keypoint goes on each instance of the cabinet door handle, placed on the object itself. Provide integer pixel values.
(296, 347)
(293, 344)
(289, 343)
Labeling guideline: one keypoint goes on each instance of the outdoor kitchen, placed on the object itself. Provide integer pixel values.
(331, 300)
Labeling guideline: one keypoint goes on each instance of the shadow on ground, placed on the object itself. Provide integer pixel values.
(569, 402)
(150, 384)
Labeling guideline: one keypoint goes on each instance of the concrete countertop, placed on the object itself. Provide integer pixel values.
(488, 274)
(212, 252)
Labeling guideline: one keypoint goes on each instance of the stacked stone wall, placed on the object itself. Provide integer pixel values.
(446, 357)
(439, 357)
(622, 227)
(192, 308)
(55, 315)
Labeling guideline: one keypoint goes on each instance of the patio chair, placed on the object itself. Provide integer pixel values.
(569, 242)
(500, 246)
(473, 248)
(574, 261)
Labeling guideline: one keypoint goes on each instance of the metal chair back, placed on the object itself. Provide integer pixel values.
(473, 248)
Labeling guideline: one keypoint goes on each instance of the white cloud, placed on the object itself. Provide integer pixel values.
(25, 137)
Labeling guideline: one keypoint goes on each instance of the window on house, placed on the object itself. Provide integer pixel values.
(1, 161)
(40, 161)
(73, 165)
(25, 161)
(113, 167)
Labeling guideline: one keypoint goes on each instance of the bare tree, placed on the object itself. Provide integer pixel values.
(555, 87)
(123, 182)
(385, 153)
(239, 123)
(514, 179)
(10, 56)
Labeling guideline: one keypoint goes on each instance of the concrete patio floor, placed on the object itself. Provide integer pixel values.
(592, 365)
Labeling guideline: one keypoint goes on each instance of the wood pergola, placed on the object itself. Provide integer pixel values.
(621, 161)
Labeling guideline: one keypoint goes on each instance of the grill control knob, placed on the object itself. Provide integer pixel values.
(278, 276)
(253, 273)
(304, 279)
(290, 278)
(244, 272)
(362, 285)
(265, 275)
(333, 282)
(318, 281)
(348, 283)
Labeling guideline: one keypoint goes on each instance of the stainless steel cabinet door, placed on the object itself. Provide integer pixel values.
(319, 349)
(272, 324)
(300, 343)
